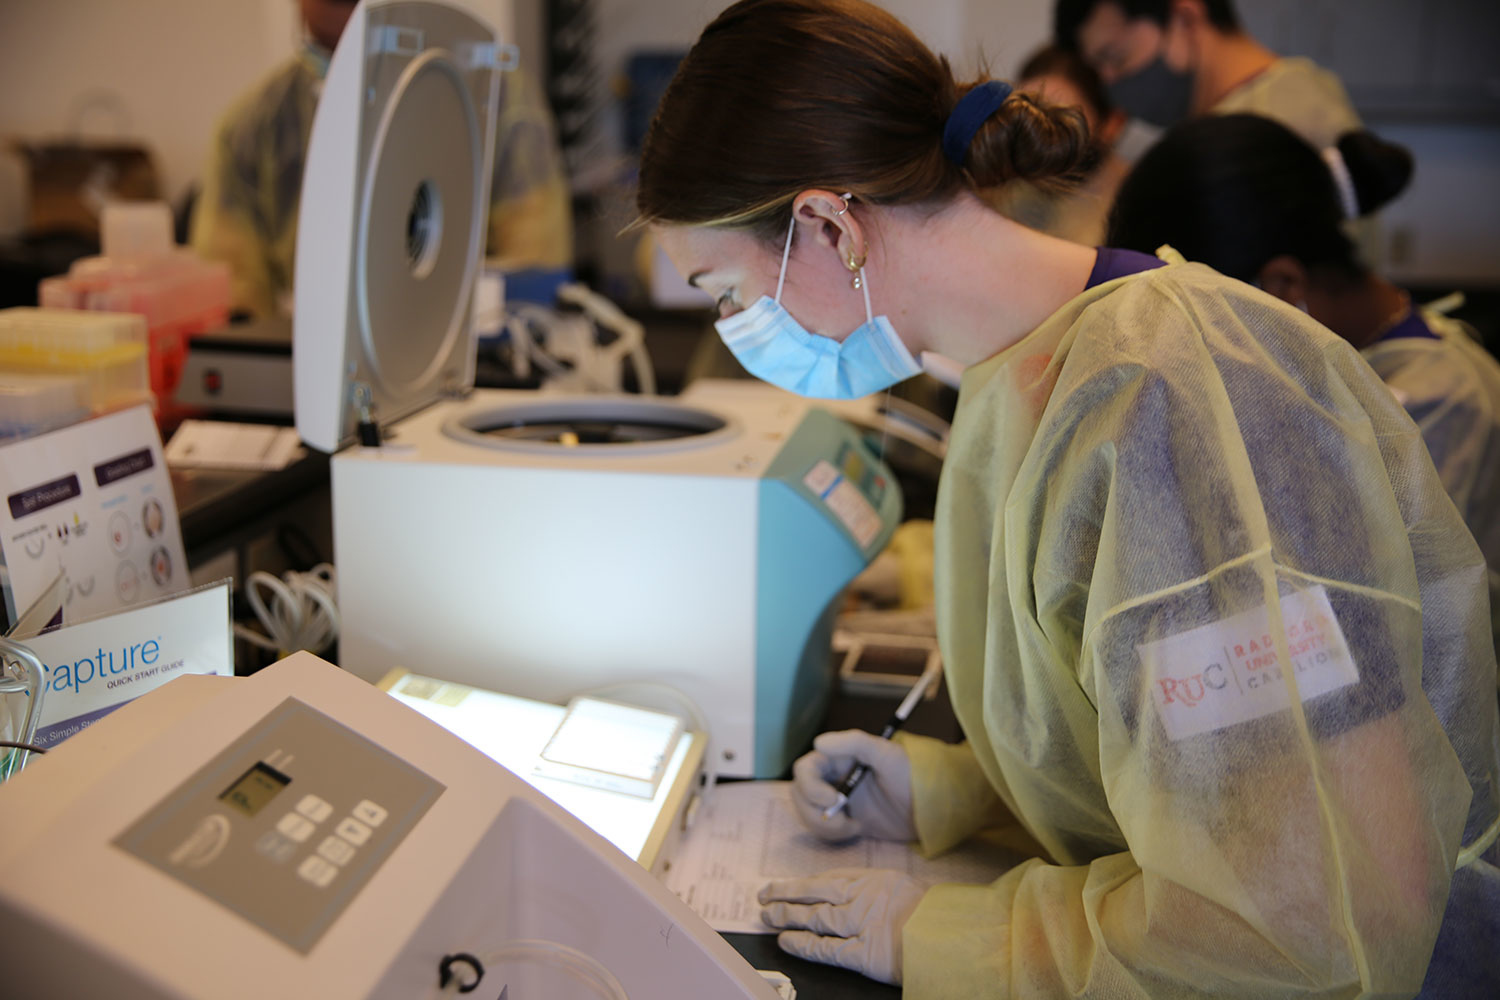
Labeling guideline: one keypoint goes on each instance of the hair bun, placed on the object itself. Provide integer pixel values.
(1030, 140)
(1380, 170)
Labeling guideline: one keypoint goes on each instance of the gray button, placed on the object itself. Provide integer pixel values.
(296, 827)
(369, 812)
(317, 871)
(353, 831)
(336, 850)
(276, 847)
(314, 808)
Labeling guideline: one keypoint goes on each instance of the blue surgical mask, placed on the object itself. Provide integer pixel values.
(1157, 94)
(775, 348)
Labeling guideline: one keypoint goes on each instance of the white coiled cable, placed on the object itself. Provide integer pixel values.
(303, 611)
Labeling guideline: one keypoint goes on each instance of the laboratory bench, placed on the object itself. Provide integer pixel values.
(812, 980)
(221, 509)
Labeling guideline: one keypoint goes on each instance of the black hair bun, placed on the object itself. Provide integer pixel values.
(1380, 170)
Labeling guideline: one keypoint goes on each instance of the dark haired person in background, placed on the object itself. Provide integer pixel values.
(1204, 608)
(1165, 61)
(1250, 199)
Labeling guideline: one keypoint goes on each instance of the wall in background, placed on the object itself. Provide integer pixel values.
(159, 72)
(1423, 75)
(154, 71)
(972, 33)
(1445, 229)
(1003, 31)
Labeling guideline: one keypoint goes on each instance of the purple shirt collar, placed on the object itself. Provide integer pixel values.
(1113, 263)
(1411, 325)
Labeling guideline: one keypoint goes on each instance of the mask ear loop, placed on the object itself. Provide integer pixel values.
(786, 252)
(863, 284)
(860, 282)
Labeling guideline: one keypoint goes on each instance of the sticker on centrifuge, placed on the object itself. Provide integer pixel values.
(845, 500)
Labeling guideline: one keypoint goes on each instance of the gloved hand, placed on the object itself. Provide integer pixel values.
(880, 807)
(849, 916)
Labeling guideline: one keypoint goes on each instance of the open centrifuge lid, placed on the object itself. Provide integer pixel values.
(391, 234)
(590, 426)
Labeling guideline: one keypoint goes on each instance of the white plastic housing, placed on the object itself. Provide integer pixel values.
(390, 239)
(490, 862)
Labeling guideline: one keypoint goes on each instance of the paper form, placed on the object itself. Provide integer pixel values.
(215, 444)
(748, 832)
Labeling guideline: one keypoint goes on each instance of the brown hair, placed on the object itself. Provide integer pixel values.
(779, 96)
(1054, 60)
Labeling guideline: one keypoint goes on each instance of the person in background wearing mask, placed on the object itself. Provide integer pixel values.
(1218, 642)
(246, 214)
(1079, 212)
(1250, 199)
(1165, 61)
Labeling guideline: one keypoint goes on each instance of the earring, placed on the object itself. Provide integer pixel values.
(855, 264)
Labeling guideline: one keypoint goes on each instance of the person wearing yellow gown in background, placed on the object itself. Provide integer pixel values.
(246, 213)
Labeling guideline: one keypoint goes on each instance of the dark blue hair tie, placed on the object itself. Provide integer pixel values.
(973, 109)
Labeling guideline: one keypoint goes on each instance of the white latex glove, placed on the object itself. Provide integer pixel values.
(849, 916)
(880, 807)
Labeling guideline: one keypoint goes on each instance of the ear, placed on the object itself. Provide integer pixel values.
(830, 220)
(1182, 34)
(1190, 14)
(1111, 127)
(1285, 278)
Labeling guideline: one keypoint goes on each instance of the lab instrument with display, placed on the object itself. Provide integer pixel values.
(302, 833)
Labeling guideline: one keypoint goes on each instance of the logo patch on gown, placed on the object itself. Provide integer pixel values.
(1231, 671)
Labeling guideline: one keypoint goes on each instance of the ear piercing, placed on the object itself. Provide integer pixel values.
(855, 264)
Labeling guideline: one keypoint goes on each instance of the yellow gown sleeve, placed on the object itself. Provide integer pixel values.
(246, 213)
(1451, 389)
(951, 797)
(224, 229)
(531, 214)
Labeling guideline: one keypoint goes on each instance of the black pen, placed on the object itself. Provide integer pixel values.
(857, 773)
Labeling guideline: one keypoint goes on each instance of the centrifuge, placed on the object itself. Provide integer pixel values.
(689, 550)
